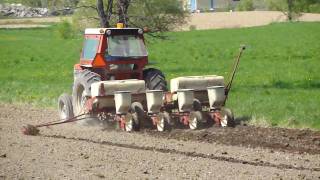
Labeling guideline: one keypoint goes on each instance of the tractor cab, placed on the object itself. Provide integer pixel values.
(117, 54)
(124, 46)
(114, 53)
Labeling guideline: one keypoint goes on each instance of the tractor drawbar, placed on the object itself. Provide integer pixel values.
(33, 130)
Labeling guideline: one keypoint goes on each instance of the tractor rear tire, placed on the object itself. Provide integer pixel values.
(65, 107)
(81, 92)
(155, 79)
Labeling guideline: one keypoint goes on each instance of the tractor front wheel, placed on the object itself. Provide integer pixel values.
(65, 107)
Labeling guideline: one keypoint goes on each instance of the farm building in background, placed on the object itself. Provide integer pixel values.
(209, 5)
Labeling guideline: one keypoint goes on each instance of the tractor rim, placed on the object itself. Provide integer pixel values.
(81, 100)
(63, 112)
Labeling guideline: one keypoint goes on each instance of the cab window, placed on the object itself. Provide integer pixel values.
(126, 46)
(90, 49)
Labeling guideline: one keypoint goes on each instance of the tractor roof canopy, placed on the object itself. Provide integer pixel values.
(114, 31)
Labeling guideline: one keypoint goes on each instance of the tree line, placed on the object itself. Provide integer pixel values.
(157, 15)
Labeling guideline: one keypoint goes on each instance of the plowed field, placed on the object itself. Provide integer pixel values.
(71, 151)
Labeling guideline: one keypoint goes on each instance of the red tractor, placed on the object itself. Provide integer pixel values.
(112, 84)
(109, 54)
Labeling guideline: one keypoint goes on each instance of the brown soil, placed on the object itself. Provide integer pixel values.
(70, 151)
(288, 140)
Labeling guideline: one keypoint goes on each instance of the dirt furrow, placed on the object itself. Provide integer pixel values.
(279, 139)
(185, 153)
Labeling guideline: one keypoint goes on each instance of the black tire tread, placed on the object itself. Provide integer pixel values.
(67, 100)
(83, 79)
(155, 79)
(86, 78)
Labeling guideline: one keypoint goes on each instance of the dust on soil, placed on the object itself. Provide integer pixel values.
(71, 151)
(290, 140)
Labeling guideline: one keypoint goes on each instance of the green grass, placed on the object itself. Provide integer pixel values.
(36, 66)
(278, 82)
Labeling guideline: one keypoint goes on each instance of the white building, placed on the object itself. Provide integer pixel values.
(209, 5)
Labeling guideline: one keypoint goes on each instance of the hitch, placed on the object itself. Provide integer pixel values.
(33, 130)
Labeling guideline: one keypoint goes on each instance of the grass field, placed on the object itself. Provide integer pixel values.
(278, 83)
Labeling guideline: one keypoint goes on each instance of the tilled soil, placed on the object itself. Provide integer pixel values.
(289, 140)
(70, 151)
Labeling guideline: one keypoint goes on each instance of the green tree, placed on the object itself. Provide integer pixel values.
(65, 30)
(293, 8)
(157, 15)
(245, 5)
